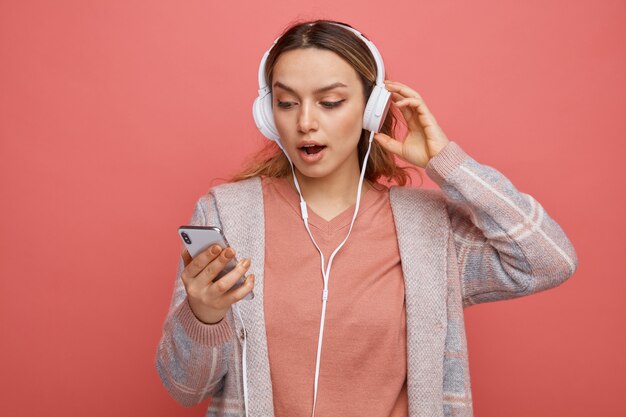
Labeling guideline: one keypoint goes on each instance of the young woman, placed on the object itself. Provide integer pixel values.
(366, 326)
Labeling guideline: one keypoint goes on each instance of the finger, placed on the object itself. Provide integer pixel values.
(405, 90)
(426, 117)
(392, 145)
(410, 110)
(395, 96)
(215, 267)
(202, 260)
(408, 92)
(240, 293)
(225, 283)
(186, 256)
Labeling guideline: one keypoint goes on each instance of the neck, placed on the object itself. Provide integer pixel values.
(338, 189)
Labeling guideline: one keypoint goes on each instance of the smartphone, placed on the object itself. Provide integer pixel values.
(199, 238)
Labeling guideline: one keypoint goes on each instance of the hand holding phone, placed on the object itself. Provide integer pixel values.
(213, 278)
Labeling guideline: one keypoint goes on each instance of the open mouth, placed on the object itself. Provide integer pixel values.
(312, 149)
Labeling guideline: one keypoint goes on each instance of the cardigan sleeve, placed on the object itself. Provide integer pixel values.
(507, 246)
(192, 357)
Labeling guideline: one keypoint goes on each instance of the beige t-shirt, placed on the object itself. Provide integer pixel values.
(363, 360)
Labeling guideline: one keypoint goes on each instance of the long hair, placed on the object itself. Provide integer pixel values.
(323, 34)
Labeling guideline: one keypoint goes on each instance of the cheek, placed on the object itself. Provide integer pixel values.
(352, 124)
(347, 118)
(283, 123)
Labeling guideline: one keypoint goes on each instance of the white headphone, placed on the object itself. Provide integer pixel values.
(373, 118)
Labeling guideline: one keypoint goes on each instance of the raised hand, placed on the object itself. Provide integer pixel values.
(424, 138)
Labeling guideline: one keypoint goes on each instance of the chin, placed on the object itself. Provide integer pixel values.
(312, 172)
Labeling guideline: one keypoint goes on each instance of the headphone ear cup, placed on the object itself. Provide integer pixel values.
(376, 109)
(264, 117)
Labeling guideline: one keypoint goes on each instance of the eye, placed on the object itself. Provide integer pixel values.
(331, 104)
(326, 104)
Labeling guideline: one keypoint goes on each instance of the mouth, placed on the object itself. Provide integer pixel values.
(311, 153)
(311, 149)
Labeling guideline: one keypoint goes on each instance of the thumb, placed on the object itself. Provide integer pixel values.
(186, 257)
(388, 143)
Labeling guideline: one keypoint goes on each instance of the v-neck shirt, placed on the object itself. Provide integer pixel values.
(363, 359)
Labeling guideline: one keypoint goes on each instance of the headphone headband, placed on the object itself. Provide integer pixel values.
(380, 66)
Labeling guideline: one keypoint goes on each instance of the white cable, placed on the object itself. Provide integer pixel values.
(325, 272)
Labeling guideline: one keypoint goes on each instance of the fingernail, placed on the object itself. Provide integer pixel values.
(229, 253)
(215, 250)
(245, 263)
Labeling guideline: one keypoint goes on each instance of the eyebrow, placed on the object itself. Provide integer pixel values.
(319, 90)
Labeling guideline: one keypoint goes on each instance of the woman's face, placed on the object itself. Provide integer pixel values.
(318, 100)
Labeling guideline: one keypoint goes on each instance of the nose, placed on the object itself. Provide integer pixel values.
(307, 118)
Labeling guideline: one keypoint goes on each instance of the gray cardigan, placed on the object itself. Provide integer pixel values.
(477, 240)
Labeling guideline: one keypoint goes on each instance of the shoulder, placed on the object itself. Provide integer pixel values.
(402, 196)
(248, 185)
(418, 213)
(231, 193)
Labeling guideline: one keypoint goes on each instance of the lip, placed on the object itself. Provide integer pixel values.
(308, 142)
(310, 159)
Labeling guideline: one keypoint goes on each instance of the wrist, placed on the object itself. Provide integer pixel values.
(446, 162)
(206, 317)
(438, 148)
(205, 334)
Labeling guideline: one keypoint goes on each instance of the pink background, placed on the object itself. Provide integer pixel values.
(115, 116)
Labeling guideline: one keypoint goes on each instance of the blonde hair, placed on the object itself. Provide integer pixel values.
(270, 161)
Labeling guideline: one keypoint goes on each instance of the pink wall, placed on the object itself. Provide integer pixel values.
(115, 116)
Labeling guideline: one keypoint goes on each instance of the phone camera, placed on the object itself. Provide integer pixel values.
(186, 238)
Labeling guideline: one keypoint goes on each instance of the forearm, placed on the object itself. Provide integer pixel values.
(508, 245)
(192, 356)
